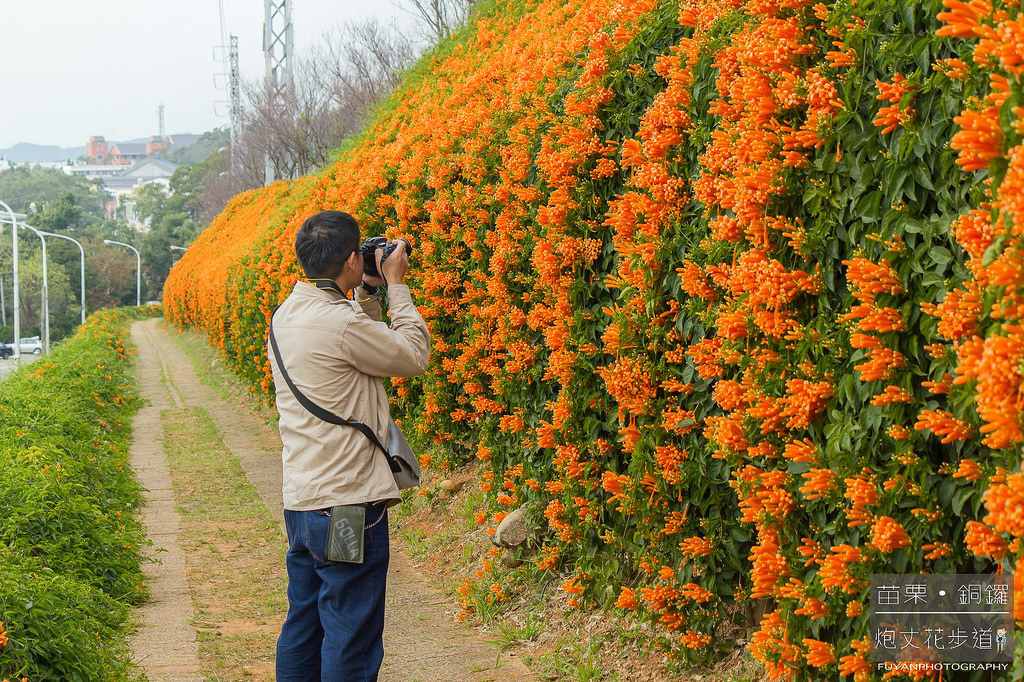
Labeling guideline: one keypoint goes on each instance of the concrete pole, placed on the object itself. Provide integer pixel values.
(82, 253)
(15, 294)
(46, 293)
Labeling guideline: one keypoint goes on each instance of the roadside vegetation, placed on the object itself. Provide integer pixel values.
(70, 536)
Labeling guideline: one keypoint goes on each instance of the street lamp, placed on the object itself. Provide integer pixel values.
(16, 302)
(82, 252)
(46, 292)
(176, 248)
(138, 269)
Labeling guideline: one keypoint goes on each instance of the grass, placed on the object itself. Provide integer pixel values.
(234, 548)
(577, 661)
(513, 634)
(212, 372)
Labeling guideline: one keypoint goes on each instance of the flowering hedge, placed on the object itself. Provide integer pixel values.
(726, 291)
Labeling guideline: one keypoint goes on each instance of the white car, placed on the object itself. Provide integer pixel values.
(31, 344)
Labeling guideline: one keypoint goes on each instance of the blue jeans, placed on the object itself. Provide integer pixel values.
(335, 625)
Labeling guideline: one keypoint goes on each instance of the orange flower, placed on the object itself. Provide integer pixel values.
(937, 550)
(819, 483)
(693, 640)
(958, 313)
(768, 568)
(819, 654)
(944, 424)
(981, 540)
(888, 535)
(572, 585)
(856, 663)
(548, 560)
(629, 381)
(804, 402)
(892, 394)
(980, 139)
(696, 593)
(964, 18)
(881, 364)
(771, 645)
(969, 469)
(697, 546)
(842, 59)
(627, 599)
(897, 432)
(1005, 505)
(669, 458)
(694, 282)
(861, 492)
(811, 550)
(616, 484)
(801, 451)
(835, 570)
(814, 609)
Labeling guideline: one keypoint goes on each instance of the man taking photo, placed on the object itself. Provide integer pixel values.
(335, 351)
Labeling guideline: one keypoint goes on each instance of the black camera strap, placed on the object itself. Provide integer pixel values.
(320, 412)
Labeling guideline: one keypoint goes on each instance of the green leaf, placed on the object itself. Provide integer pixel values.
(946, 488)
(923, 177)
(960, 498)
(940, 255)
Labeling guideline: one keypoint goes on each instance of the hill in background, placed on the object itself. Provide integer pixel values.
(26, 152)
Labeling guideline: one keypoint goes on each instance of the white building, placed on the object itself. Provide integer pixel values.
(120, 181)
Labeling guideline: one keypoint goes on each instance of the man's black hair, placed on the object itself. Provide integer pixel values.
(324, 242)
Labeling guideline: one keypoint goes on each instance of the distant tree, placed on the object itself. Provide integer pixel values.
(23, 186)
(62, 296)
(359, 64)
(110, 276)
(196, 190)
(59, 214)
(208, 143)
(331, 92)
(156, 260)
(150, 200)
(440, 17)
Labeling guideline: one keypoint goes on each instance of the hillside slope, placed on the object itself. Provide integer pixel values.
(725, 292)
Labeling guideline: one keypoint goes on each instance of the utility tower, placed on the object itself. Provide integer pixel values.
(234, 99)
(160, 113)
(227, 54)
(278, 50)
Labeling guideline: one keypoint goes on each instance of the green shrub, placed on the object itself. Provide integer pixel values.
(70, 566)
(58, 627)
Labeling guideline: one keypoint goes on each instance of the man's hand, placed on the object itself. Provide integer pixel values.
(373, 281)
(397, 264)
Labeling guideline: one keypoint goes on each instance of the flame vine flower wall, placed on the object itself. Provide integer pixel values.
(727, 293)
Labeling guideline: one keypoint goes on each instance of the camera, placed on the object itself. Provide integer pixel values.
(369, 248)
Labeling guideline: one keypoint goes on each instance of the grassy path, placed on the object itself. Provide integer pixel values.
(224, 464)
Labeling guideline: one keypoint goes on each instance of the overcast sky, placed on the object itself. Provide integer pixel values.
(74, 68)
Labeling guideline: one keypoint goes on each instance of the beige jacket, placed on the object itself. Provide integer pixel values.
(336, 351)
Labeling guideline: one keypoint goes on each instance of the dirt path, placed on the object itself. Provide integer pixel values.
(422, 642)
(165, 644)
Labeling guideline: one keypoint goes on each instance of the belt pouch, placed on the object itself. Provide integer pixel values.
(345, 535)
